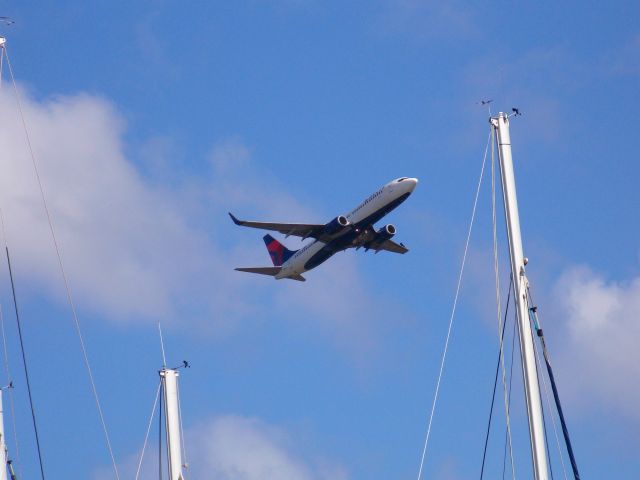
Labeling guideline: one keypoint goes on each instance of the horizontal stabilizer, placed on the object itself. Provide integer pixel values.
(271, 271)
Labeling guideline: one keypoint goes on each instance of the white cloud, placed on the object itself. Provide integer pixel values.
(251, 190)
(229, 155)
(599, 359)
(123, 240)
(240, 448)
(233, 447)
(139, 248)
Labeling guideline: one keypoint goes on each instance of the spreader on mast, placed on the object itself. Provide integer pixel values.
(500, 124)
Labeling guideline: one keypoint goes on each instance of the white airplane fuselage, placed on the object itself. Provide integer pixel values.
(359, 232)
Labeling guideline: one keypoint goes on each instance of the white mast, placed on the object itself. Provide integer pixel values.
(174, 441)
(3, 445)
(520, 282)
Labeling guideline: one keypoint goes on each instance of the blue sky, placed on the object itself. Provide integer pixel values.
(151, 120)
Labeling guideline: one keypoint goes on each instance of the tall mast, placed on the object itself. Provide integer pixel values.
(174, 441)
(500, 124)
(3, 444)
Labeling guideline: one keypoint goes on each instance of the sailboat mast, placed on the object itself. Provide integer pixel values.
(3, 444)
(500, 124)
(174, 441)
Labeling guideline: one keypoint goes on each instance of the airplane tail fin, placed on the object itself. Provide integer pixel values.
(278, 252)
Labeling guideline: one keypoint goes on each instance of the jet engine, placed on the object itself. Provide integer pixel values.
(385, 233)
(336, 225)
(381, 236)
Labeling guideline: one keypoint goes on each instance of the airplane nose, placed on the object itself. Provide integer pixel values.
(411, 183)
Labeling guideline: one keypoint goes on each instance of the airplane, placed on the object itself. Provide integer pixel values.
(354, 230)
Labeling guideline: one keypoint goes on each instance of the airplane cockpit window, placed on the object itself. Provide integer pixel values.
(401, 179)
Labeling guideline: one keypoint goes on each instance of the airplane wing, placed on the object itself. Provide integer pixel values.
(304, 230)
(391, 246)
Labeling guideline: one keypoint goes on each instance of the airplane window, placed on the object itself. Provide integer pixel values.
(401, 179)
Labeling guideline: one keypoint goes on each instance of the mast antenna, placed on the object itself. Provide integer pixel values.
(164, 358)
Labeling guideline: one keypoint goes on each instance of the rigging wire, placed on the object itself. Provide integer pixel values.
(553, 422)
(453, 311)
(24, 363)
(146, 437)
(544, 418)
(495, 384)
(565, 431)
(506, 433)
(62, 270)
